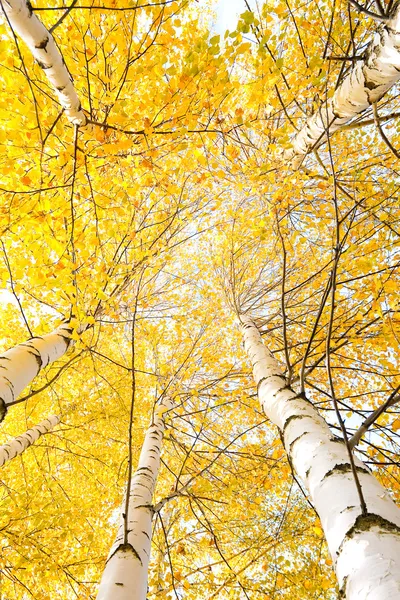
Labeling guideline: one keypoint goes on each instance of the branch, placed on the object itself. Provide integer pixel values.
(19, 444)
(367, 82)
(61, 19)
(382, 133)
(44, 49)
(381, 18)
(393, 399)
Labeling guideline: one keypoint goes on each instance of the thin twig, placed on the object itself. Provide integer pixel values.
(360, 8)
(130, 436)
(382, 133)
(338, 247)
(393, 399)
(13, 289)
(61, 19)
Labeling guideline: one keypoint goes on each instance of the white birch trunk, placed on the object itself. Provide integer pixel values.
(367, 82)
(126, 571)
(19, 365)
(365, 549)
(43, 47)
(19, 444)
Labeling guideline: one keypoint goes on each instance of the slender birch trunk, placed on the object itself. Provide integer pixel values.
(19, 365)
(126, 572)
(19, 444)
(44, 49)
(364, 548)
(367, 82)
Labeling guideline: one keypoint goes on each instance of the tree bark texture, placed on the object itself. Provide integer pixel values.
(365, 548)
(126, 572)
(366, 83)
(19, 365)
(44, 49)
(19, 444)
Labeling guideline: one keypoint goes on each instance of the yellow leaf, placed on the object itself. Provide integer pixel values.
(396, 425)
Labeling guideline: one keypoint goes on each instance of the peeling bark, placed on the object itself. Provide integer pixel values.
(19, 444)
(126, 571)
(366, 83)
(44, 49)
(21, 364)
(365, 548)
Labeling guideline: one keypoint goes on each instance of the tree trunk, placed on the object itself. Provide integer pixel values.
(19, 365)
(19, 444)
(43, 47)
(364, 548)
(367, 82)
(126, 571)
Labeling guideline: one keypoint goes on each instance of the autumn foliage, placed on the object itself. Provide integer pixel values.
(149, 230)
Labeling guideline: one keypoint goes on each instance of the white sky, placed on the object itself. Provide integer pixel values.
(6, 297)
(228, 12)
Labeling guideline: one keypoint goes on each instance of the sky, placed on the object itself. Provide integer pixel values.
(6, 296)
(228, 12)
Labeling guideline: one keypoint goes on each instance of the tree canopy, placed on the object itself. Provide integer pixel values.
(180, 200)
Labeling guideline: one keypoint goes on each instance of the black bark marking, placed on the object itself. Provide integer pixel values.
(371, 85)
(142, 485)
(148, 475)
(342, 591)
(10, 386)
(348, 508)
(336, 440)
(3, 409)
(128, 548)
(29, 7)
(269, 377)
(148, 507)
(67, 340)
(42, 65)
(37, 357)
(42, 45)
(292, 418)
(296, 440)
(370, 520)
(344, 468)
(361, 524)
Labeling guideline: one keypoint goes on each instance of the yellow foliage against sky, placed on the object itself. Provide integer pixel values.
(149, 230)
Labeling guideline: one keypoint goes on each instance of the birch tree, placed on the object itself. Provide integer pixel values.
(126, 571)
(18, 445)
(176, 185)
(40, 42)
(360, 520)
(20, 365)
(313, 368)
(367, 82)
